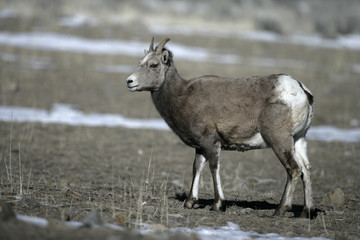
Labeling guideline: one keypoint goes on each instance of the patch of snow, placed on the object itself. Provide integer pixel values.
(66, 114)
(351, 41)
(78, 21)
(41, 222)
(331, 134)
(8, 13)
(17, 197)
(60, 42)
(344, 41)
(231, 231)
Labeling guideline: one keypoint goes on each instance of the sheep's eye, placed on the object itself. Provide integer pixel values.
(154, 65)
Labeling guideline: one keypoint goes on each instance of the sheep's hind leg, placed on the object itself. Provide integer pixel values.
(293, 169)
(301, 155)
(199, 163)
(284, 149)
(277, 132)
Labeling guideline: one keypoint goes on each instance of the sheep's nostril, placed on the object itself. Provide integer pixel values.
(128, 81)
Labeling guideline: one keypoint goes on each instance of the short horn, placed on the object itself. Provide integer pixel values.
(161, 45)
(151, 48)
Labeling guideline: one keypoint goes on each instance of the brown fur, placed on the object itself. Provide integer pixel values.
(195, 111)
(211, 113)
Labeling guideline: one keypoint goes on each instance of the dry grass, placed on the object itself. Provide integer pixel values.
(131, 191)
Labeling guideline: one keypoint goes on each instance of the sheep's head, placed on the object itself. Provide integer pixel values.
(150, 74)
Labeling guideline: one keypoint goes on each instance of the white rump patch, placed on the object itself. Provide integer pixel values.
(291, 93)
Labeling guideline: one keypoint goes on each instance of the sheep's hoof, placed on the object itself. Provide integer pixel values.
(280, 210)
(305, 213)
(277, 213)
(218, 205)
(190, 202)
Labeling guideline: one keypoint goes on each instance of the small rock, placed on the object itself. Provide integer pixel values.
(92, 219)
(6, 211)
(336, 197)
(69, 192)
(120, 218)
(176, 215)
(246, 211)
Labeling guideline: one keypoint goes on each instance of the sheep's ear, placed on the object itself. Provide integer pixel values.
(146, 52)
(165, 56)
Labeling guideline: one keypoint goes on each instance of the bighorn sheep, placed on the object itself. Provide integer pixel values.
(212, 113)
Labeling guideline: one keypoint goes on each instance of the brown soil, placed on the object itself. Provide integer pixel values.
(67, 171)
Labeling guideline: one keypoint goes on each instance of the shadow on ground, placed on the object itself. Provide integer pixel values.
(255, 205)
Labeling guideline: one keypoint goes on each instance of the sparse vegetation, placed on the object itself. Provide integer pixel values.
(138, 176)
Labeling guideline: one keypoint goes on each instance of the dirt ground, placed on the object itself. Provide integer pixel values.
(136, 177)
(67, 171)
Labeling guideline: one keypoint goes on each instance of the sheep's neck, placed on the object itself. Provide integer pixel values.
(166, 97)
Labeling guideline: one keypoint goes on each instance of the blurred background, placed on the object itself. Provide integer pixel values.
(328, 18)
(80, 52)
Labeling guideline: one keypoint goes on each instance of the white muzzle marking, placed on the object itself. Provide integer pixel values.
(132, 83)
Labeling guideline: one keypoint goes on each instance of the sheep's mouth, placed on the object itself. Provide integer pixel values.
(132, 88)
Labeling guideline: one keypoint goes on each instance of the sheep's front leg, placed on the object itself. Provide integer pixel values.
(199, 163)
(214, 157)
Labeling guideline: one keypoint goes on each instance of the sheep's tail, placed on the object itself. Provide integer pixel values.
(311, 101)
(309, 95)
